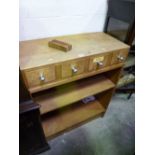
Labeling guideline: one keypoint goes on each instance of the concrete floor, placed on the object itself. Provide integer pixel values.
(111, 135)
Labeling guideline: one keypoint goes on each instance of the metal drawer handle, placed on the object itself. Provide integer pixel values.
(99, 63)
(121, 58)
(42, 78)
(74, 69)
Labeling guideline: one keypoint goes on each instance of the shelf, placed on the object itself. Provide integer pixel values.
(66, 118)
(61, 96)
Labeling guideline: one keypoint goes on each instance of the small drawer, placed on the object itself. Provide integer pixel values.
(119, 56)
(73, 68)
(100, 61)
(40, 76)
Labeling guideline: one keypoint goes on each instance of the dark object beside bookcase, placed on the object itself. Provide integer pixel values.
(31, 135)
(120, 23)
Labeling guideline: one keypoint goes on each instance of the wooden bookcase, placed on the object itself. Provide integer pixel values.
(58, 81)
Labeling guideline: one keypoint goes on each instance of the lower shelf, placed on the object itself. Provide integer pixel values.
(68, 117)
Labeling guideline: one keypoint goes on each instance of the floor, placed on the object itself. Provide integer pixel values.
(111, 135)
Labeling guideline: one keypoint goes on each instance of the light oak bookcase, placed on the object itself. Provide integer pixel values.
(58, 81)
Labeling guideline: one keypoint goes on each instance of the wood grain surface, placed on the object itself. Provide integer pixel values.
(68, 118)
(35, 53)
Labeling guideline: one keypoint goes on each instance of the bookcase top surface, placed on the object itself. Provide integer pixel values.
(35, 53)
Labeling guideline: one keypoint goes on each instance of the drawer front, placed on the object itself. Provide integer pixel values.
(73, 68)
(40, 76)
(100, 61)
(119, 56)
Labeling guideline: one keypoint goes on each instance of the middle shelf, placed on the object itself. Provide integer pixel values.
(67, 94)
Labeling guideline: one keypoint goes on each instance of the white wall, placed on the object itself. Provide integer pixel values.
(45, 18)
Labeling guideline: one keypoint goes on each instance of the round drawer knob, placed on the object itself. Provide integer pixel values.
(42, 78)
(100, 63)
(74, 69)
(121, 58)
